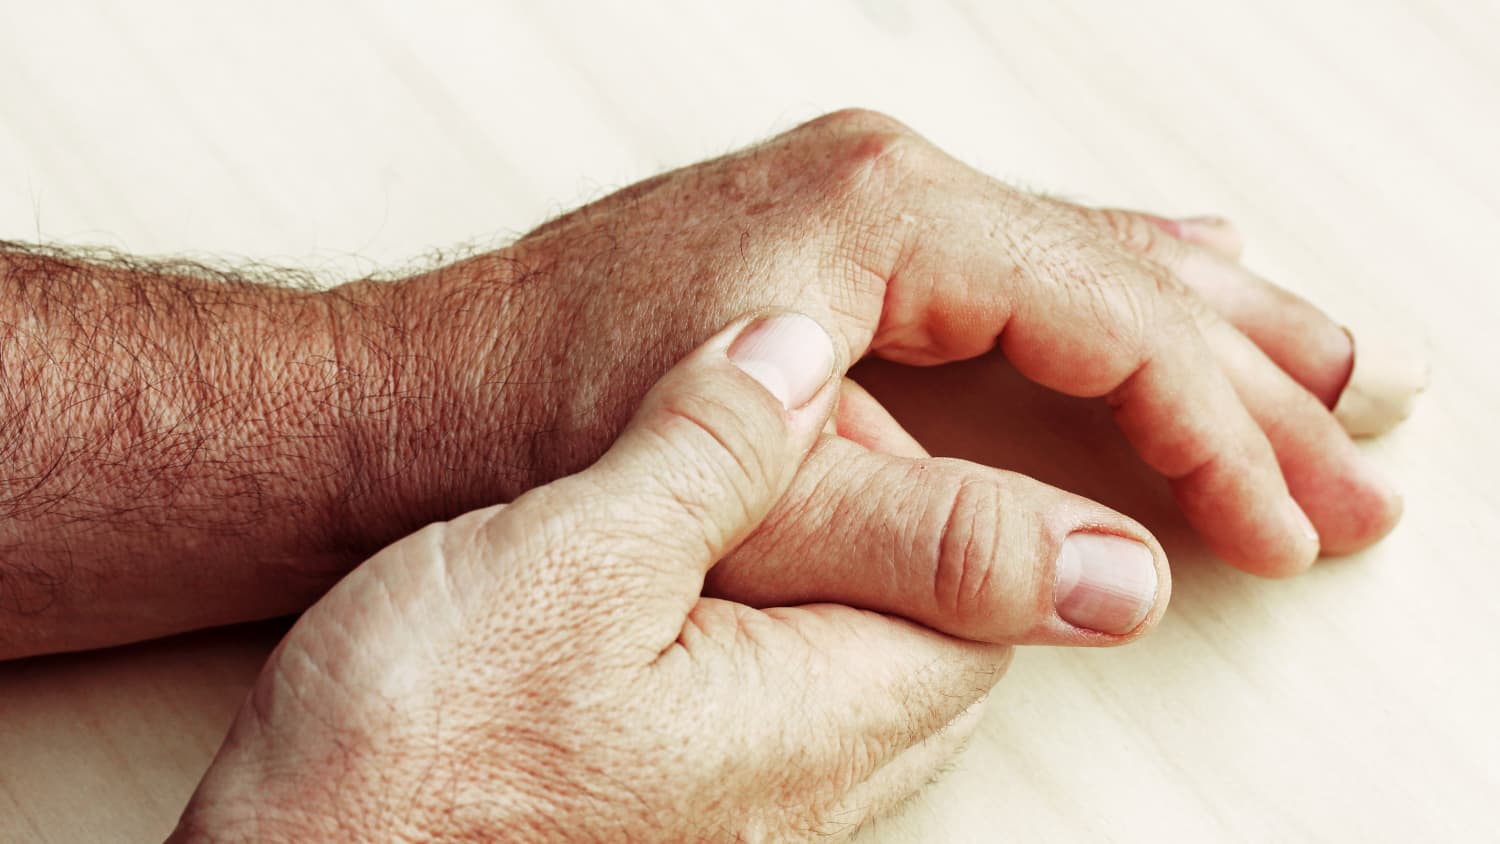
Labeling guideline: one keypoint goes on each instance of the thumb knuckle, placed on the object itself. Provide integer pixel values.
(714, 454)
(980, 579)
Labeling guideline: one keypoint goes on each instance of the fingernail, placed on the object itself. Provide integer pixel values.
(788, 354)
(1304, 524)
(1104, 582)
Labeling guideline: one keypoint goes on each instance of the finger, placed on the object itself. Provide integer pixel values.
(713, 445)
(1171, 401)
(1341, 490)
(963, 548)
(1370, 384)
(840, 690)
(863, 420)
(1313, 349)
(1288, 362)
(1213, 233)
(1080, 314)
(1382, 388)
(1300, 338)
(1297, 354)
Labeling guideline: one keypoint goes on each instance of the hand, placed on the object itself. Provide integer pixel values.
(1220, 380)
(549, 671)
(234, 448)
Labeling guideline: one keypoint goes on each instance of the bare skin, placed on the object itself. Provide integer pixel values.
(757, 611)
(184, 451)
(549, 670)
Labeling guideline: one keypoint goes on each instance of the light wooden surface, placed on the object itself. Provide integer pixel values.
(1355, 142)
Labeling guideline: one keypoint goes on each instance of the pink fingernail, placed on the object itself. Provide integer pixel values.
(788, 354)
(1104, 582)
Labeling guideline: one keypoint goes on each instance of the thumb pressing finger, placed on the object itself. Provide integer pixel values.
(714, 444)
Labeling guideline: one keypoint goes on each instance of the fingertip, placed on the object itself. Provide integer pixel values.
(1347, 496)
(1364, 506)
(1259, 533)
(1374, 524)
(1385, 377)
(1299, 338)
(1291, 549)
(789, 354)
(1110, 581)
(1105, 583)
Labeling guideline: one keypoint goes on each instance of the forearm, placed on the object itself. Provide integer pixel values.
(181, 449)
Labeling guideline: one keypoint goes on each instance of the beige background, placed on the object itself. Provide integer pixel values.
(1355, 142)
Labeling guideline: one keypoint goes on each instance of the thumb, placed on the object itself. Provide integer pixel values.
(714, 444)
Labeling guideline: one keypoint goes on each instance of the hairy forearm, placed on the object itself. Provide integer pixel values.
(181, 447)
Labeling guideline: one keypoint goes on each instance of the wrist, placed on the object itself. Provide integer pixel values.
(442, 401)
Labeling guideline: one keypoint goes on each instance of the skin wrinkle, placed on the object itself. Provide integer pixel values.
(963, 567)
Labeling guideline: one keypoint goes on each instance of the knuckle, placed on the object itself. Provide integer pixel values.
(1125, 308)
(858, 120)
(873, 164)
(1106, 288)
(713, 450)
(710, 429)
(1134, 298)
(860, 168)
(868, 156)
(1132, 230)
(969, 581)
(1140, 306)
(1177, 309)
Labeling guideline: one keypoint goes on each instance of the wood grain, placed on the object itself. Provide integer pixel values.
(1354, 142)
